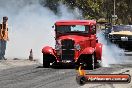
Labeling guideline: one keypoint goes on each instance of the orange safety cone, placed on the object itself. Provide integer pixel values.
(31, 55)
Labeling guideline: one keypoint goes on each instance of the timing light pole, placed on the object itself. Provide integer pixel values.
(114, 7)
(114, 12)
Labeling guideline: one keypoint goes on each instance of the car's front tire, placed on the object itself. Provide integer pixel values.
(47, 59)
(46, 64)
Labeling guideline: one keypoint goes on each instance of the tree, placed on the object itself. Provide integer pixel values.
(95, 9)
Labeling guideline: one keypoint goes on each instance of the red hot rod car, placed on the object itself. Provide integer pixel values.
(76, 43)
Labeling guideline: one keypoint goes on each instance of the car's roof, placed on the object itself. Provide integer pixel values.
(75, 22)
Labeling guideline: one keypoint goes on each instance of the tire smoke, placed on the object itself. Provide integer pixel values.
(111, 54)
(30, 26)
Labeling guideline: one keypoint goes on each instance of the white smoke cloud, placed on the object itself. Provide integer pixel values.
(112, 54)
(30, 26)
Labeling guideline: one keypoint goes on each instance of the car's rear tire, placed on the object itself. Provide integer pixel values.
(81, 63)
(91, 62)
(87, 62)
(98, 65)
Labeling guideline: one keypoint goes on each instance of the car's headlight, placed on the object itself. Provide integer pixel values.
(57, 47)
(77, 47)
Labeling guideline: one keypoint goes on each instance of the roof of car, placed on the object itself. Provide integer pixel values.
(75, 22)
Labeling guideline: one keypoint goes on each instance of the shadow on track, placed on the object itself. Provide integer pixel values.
(59, 67)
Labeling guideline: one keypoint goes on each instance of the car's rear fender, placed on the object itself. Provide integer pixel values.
(88, 50)
(85, 53)
(98, 51)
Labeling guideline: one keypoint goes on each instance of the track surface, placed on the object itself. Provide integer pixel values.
(34, 76)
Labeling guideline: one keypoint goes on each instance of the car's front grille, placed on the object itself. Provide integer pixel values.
(67, 49)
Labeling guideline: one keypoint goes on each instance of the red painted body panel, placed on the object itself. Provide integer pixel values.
(48, 50)
(76, 38)
(88, 50)
(75, 22)
(98, 51)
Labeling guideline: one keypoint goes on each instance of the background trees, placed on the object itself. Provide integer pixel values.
(95, 9)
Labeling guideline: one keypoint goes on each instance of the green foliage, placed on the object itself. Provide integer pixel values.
(96, 9)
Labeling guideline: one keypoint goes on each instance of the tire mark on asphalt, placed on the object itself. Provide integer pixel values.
(41, 77)
(104, 70)
(103, 85)
(18, 72)
(17, 78)
(54, 79)
(45, 81)
(15, 70)
(26, 76)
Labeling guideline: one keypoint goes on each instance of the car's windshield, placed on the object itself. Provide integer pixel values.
(122, 28)
(72, 28)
